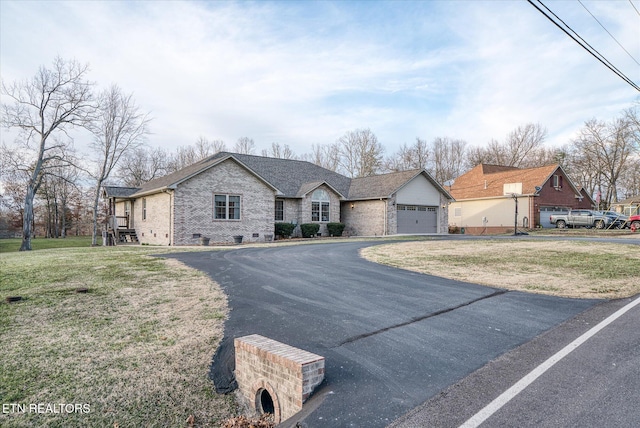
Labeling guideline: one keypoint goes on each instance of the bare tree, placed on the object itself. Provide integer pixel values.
(58, 186)
(360, 153)
(324, 155)
(447, 158)
(53, 101)
(141, 165)
(120, 128)
(278, 151)
(188, 155)
(521, 148)
(606, 150)
(245, 146)
(407, 157)
(205, 148)
(522, 142)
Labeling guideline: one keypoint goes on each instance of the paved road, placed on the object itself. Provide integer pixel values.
(391, 338)
(595, 384)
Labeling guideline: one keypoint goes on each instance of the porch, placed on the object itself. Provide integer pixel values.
(118, 231)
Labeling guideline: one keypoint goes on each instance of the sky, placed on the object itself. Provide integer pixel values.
(303, 73)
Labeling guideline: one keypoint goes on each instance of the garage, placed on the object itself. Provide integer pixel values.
(417, 219)
(546, 212)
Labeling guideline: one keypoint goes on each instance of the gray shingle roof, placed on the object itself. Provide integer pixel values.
(294, 178)
(289, 176)
(379, 186)
(119, 192)
(286, 175)
(384, 185)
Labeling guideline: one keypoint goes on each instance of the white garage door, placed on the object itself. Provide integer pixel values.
(546, 212)
(417, 219)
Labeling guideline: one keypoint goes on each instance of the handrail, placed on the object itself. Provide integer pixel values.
(119, 222)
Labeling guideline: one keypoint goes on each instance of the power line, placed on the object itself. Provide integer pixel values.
(583, 43)
(616, 40)
(634, 7)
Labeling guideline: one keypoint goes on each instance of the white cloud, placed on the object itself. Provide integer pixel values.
(304, 73)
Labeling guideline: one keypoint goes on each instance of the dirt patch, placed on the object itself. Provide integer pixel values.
(559, 268)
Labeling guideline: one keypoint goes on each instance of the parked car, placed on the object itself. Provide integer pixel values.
(581, 218)
(619, 221)
(634, 222)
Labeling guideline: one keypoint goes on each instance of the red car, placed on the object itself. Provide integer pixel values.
(634, 222)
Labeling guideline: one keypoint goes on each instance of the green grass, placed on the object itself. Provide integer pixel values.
(9, 245)
(136, 348)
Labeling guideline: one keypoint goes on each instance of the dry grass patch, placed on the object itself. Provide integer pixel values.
(136, 348)
(560, 268)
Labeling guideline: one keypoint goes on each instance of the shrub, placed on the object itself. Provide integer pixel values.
(335, 229)
(284, 229)
(309, 229)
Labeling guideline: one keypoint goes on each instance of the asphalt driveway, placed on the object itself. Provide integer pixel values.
(391, 338)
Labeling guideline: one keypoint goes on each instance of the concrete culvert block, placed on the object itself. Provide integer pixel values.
(274, 377)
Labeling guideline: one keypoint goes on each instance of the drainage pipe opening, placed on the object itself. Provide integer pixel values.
(265, 402)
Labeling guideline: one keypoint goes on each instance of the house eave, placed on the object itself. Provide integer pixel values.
(486, 198)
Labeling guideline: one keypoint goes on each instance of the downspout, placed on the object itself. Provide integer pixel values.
(168, 192)
(384, 206)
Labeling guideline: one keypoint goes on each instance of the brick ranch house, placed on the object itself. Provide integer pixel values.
(232, 194)
(484, 202)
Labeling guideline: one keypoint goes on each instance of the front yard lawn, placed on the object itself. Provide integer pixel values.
(133, 351)
(560, 268)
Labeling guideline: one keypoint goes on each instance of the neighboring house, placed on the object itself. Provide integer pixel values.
(485, 197)
(231, 194)
(628, 207)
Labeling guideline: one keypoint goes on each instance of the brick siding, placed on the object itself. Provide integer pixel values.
(288, 374)
(155, 228)
(194, 206)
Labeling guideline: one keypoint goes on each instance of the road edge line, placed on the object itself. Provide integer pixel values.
(519, 386)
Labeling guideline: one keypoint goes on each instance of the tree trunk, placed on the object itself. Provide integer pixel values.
(94, 237)
(63, 220)
(27, 219)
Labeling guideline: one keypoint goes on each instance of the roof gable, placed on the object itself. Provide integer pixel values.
(286, 176)
(289, 176)
(384, 185)
(294, 178)
(487, 181)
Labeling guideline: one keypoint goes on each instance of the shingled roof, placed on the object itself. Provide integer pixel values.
(119, 192)
(288, 177)
(293, 178)
(384, 185)
(487, 181)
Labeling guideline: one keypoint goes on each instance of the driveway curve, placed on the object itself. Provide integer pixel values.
(391, 338)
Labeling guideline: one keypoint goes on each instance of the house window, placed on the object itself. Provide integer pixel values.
(144, 208)
(279, 210)
(127, 208)
(226, 207)
(320, 205)
(557, 181)
(457, 212)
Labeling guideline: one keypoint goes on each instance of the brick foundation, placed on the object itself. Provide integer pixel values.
(289, 375)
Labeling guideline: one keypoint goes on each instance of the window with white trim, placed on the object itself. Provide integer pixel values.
(320, 203)
(226, 207)
(279, 210)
